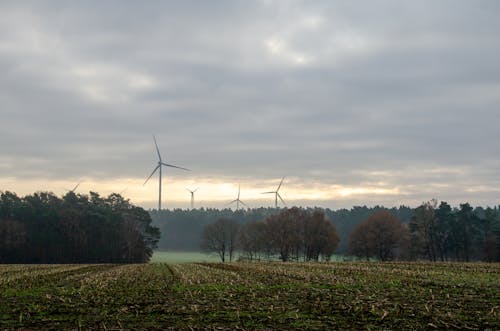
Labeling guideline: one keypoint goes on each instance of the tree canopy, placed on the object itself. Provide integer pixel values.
(381, 236)
(77, 228)
(291, 235)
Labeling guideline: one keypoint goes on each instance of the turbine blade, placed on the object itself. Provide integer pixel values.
(231, 202)
(157, 150)
(73, 190)
(238, 191)
(151, 174)
(282, 179)
(244, 204)
(268, 192)
(279, 196)
(196, 189)
(173, 166)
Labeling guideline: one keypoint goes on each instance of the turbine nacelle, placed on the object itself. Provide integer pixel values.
(276, 194)
(74, 188)
(192, 196)
(238, 201)
(192, 191)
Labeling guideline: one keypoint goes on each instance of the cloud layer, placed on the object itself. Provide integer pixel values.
(371, 98)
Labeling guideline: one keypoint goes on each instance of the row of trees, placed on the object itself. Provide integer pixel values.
(435, 233)
(181, 229)
(43, 228)
(443, 233)
(293, 234)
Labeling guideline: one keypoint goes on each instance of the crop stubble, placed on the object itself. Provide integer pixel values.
(342, 295)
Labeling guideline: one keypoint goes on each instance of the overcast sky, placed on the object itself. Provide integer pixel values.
(373, 102)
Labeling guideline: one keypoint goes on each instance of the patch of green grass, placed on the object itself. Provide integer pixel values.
(182, 257)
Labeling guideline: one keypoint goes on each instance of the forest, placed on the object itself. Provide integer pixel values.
(181, 228)
(429, 232)
(77, 228)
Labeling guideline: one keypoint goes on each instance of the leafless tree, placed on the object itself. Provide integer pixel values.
(294, 234)
(253, 243)
(221, 238)
(379, 237)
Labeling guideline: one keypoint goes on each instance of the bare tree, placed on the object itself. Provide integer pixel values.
(296, 233)
(359, 241)
(320, 237)
(423, 227)
(379, 236)
(283, 232)
(221, 238)
(253, 243)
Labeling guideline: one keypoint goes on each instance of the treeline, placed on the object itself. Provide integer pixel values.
(292, 235)
(443, 233)
(435, 233)
(77, 228)
(181, 229)
(429, 232)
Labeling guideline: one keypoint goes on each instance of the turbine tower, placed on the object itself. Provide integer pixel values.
(192, 196)
(238, 201)
(158, 167)
(277, 195)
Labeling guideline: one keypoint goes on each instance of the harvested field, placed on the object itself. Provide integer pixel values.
(340, 295)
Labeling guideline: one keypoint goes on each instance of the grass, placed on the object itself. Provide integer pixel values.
(191, 257)
(273, 295)
(182, 257)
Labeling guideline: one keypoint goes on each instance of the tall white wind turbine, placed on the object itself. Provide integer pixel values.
(158, 167)
(192, 196)
(276, 194)
(238, 201)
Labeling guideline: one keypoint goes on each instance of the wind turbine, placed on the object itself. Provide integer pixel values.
(192, 196)
(74, 188)
(158, 167)
(238, 201)
(276, 194)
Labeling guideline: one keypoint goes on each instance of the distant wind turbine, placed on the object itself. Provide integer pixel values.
(276, 194)
(158, 167)
(238, 201)
(74, 188)
(192, 196)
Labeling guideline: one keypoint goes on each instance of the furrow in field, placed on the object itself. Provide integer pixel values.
(128, 276)
(36, 277)
(130, 284)
(199, 273)
(8, 270)
(355, 274)
(273, 273)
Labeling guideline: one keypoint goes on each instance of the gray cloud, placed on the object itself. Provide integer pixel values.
(333, 92)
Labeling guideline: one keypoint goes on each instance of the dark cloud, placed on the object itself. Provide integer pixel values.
(332, 92)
